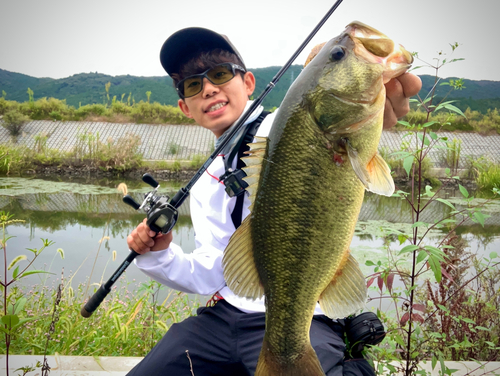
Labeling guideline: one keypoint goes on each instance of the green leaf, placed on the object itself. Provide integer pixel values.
(493, 255)
(434, 361)
(10, 320)
(370, 263)
(399, 340)
(420, 224)
(22, 321)
(428, 124)
(436, 252)
(483, 328)
(435, 267)
(479, 217)
(407, 163)
(15, 272)
(421, 256)
(463, 190)
(428, 191)
(446, 202)
(424, 139)
(454, 109)
(34, 250)
(402, 238)
(35, 272)
(408, 249)
(443, 367)
(405, 123)
(19, 305)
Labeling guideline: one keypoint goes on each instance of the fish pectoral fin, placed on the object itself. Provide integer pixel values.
(346, 293)
(358, 167)
(240, 271)
(381, 181)
(375, 176)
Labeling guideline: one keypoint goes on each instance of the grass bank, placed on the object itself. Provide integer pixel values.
(129, 322)
(116, 111)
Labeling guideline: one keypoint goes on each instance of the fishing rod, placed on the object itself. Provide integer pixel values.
(161, 213)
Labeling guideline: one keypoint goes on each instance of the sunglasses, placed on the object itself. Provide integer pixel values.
(218, 75)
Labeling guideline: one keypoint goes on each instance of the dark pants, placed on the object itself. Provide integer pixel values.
(222, 340)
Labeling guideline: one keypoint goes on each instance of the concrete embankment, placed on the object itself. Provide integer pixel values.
(182, 142)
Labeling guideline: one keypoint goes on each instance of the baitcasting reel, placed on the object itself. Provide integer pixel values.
(161, 215)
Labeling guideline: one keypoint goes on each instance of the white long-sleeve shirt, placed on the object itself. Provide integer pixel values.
(201, 272)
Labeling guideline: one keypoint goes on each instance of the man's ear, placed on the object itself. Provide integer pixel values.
(249, 81)
(184, 108)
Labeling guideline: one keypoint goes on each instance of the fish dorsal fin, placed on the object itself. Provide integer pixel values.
(240, 271)
(256, 156)
(375, 176)
(346, 293)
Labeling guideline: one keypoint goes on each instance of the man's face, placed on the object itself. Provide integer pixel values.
(217, 107)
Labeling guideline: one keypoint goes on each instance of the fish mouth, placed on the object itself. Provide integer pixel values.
(376, 47)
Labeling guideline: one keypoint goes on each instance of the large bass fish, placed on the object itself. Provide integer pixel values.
(307, 181)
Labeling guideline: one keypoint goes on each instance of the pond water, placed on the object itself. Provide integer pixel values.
(87, 219)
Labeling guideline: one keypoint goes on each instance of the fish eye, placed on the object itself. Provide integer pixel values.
(338, 53)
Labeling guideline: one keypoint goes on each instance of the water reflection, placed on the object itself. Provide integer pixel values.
(77, 214)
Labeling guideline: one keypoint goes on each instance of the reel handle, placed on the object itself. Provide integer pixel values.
(130, 201)
(148, 179)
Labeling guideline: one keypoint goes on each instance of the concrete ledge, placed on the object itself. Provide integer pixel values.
(462, 368)
(119, 366)
(71, 365)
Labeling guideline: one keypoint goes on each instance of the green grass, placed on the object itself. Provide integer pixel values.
(474, 121)
(127, 323)
(488, 176)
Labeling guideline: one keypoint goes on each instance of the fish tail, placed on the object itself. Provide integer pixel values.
(306, 364)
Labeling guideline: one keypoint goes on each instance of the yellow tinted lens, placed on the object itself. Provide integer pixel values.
(192, 86)
(220, 74)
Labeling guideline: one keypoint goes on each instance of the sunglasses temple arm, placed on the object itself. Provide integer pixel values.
(183, 193)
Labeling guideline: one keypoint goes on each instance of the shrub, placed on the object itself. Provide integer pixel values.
(120, 108)
(14, 121)
(90, 109)
(144, 112)
(6, 105)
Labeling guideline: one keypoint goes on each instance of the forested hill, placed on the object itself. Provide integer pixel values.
(86, 88)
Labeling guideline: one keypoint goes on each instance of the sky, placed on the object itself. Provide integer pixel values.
(59, 38)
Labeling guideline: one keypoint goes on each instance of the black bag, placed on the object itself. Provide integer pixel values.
(363, 330)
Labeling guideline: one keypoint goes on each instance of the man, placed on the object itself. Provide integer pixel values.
(225, 339)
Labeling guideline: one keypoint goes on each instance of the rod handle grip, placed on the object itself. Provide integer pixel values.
(94, 301)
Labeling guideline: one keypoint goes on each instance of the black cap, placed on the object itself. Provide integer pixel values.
(188, 43)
